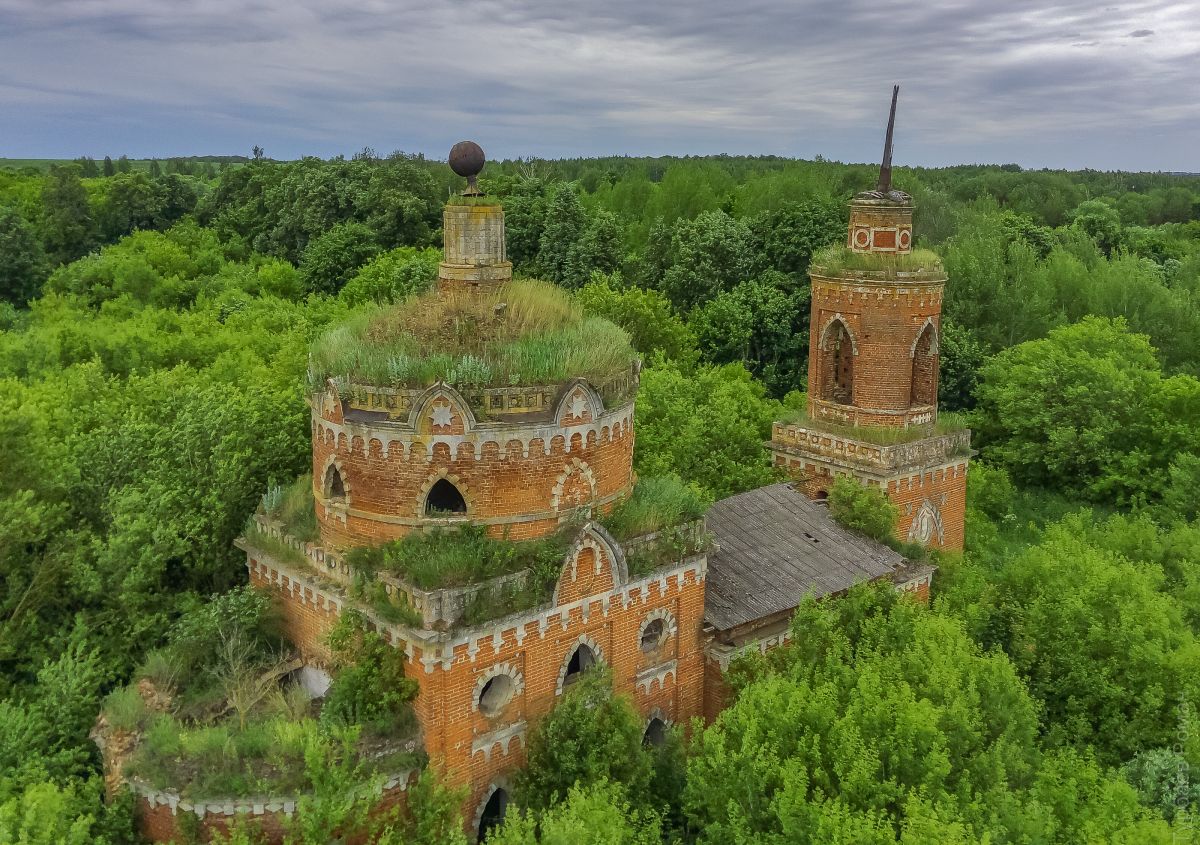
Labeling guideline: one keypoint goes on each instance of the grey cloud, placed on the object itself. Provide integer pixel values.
(1039, 82)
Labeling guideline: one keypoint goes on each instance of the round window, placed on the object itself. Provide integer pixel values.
(653, 635)
(497, 692)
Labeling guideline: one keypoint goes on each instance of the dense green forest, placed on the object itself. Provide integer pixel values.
(155, 326)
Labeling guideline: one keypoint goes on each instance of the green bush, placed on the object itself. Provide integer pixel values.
(125, 709)
(864, 509)
(655, 504)
(369, 687)
(454, 558)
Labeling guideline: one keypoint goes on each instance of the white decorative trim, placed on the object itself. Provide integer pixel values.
(647, 678)
(594, 405)
(504, 737)
(933, 350)
(582, 640)
(421, 406)
(575, 467)
(594, 537)
(433, 478)
(837, 318)
(670, 629)
(499, 669)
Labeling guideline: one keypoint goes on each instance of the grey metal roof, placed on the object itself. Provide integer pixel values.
(774, 546)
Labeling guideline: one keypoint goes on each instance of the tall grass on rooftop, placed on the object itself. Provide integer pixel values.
(836, 258)
(655, 504)
(295, 507)
(526, 332)
(947, 422)
(458, 557)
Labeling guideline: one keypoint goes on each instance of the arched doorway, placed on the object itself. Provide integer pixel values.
(924, 368)
(837, 364)
(444, 499)
(493, 812)
(656, 733)
(582, 659)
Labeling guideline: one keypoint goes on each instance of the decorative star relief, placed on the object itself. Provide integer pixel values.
(442, 416)
(578, 405)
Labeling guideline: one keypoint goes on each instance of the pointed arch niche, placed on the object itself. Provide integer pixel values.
(837, 349)
(924, 366)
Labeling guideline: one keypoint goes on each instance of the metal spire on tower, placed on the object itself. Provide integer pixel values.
(885, 169)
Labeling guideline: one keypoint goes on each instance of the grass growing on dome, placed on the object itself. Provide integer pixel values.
(526, 332)
(836, 258)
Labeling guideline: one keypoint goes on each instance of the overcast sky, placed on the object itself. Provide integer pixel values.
(1043, 84)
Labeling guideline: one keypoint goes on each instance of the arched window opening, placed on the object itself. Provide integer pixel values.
(496, 693)
(582, 660)
(493, 813)
(924, 369)
(653, 636)
(444, 500)
(837, 361)
(822, 497)
(656, 733)
(335, 488)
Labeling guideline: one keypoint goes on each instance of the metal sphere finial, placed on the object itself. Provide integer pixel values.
(467, 160)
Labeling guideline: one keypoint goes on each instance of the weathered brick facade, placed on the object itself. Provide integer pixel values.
(525, 459)
(873, 362)
(596, 607)
(518, 473)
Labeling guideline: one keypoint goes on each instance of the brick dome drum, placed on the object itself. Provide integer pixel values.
(390, 461)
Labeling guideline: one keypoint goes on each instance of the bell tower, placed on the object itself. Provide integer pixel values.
(873, 371)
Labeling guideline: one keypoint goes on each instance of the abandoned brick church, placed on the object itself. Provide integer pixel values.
(524, 460)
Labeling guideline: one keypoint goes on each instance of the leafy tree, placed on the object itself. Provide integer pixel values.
(369, 687)
(1105, 650)
(22, 262)
(960, 356)
(392, 276)
(68, 230)
(590, 737)
(558, 247)
(712, 253)
(863, 508)
(1162, 777)
(597, 251)
(1086, 410)
(789, 236)
(761, 325)
(109, 169)
(87, 167)
(331, 259)
(884, 722)
(705, 425)
(155, 169)
(133, 201)
(124, 165)
(597, 814)
(1100, 222)
(1182, 495)
(645, 314)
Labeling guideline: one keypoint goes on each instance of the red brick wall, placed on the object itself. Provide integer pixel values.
(518, 481)
(451, 668)
(942, 490)
(884, 321)
(945, 491)
(158, 823)
(454, 727)
(306, 617)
